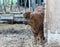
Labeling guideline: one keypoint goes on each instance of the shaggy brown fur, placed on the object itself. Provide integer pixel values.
(36, 21)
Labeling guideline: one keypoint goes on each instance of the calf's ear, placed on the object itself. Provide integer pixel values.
(31, 15)
(27, 14)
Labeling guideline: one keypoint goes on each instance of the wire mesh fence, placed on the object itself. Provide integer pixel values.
(18, 6)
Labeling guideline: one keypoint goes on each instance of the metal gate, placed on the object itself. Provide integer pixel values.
(17, 6)
(14, 9)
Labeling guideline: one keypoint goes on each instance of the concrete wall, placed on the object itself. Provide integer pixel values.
(53, 21)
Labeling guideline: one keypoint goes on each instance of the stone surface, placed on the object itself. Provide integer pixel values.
(18, 35)
(53, 22)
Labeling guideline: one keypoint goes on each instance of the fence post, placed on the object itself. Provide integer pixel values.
(25, 1)
(4, 4)
(0, 5)
(33, 4)
(11, 5)
(39, 2)
(29, 5)
(19, 3)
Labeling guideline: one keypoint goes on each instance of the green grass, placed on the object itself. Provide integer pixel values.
(8, 1)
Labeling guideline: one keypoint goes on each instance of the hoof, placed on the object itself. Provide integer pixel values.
(41, 43)
(34, 42)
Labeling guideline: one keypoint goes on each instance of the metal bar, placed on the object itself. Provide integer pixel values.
(29, 4)
(11, 12)
(39, 2)
(4, 5)
(11, 5)
(21, 2)
(33, 4)
(18, 3)
(0, 5)
(25, 1)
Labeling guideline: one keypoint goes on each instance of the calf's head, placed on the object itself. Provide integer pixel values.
(28, 17)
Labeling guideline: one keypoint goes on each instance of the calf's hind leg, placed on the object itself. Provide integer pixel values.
(35, 38)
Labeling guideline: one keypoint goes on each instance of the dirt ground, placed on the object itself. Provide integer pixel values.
(17, 35)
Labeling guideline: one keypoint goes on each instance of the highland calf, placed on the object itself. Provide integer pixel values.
(36, 21)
